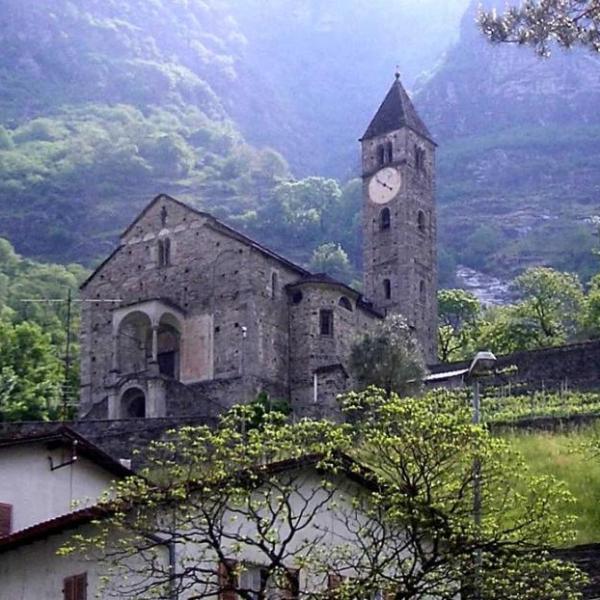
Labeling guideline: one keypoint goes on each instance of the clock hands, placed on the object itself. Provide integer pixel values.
(385, 185)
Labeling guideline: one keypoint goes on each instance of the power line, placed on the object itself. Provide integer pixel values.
(69, 300)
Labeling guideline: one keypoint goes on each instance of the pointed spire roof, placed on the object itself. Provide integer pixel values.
(396, 111)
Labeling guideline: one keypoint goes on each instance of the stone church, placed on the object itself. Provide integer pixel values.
(188, 316)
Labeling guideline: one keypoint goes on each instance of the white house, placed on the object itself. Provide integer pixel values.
(47, 475)
(31, 568)
(49, 484)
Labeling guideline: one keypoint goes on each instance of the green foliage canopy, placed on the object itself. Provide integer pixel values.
(538, 23)
(551, 309)
(411, 527)
(33, 335)
(31, 374)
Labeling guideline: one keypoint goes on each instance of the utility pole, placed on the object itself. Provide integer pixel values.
(477, 493)
(67, 357)
(481, 365)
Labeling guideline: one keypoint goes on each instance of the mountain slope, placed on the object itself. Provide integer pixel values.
(104, 104)
(519, 149)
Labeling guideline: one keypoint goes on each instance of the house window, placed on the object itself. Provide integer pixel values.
(387, 289)
(297, 297)
(421, 221)
(422, 291)
(75, 587)
(385, 219)
(5, 519)
(345, 303)
(252, 581)
(164, 252)
(326, 322)
(381, 155)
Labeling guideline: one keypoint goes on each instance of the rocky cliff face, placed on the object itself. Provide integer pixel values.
(482, 88)
(519, 149)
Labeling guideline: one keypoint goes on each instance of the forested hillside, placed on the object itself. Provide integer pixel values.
(105, 104)
(251, 108)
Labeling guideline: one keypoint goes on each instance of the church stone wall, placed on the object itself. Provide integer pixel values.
(234, 324)
(311, 351)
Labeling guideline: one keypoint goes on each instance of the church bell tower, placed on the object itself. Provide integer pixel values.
(399, 218)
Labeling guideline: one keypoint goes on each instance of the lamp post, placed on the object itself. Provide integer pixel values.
(481, 365)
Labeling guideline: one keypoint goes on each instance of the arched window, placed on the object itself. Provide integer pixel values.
(161, 253)
(422, 291)
(421, 221)
(419, 158)
(385, 219)
(345, 303)
(326, 322)
(389, 152)
(133, 404)
(387, 289)
(164, 252)
(167, 252)
(381, 155)
(297, 297)
(274, 285)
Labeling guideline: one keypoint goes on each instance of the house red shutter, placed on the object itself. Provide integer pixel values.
(81, 586)
(227, 580)
(69, 588)
(333, 581)
(5, 519)
(292, 589)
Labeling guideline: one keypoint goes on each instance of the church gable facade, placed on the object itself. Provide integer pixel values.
(188, 316)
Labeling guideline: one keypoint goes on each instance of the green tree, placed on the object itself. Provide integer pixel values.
(481, 245)
(331, 258)
(591, 319)
(388, 357)
(228, 494)
(31, 375)
(550, 305)
(458, 310)
(538, 23)
(424, 451)
(306, 207)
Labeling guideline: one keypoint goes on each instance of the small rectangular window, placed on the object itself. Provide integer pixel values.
(326, 322)
(75, 587)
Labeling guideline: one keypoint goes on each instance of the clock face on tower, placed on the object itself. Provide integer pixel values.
(384, 185)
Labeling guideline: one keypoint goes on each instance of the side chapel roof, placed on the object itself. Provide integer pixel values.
(396, 111)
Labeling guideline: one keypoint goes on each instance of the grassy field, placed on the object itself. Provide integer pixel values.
(560, 455)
